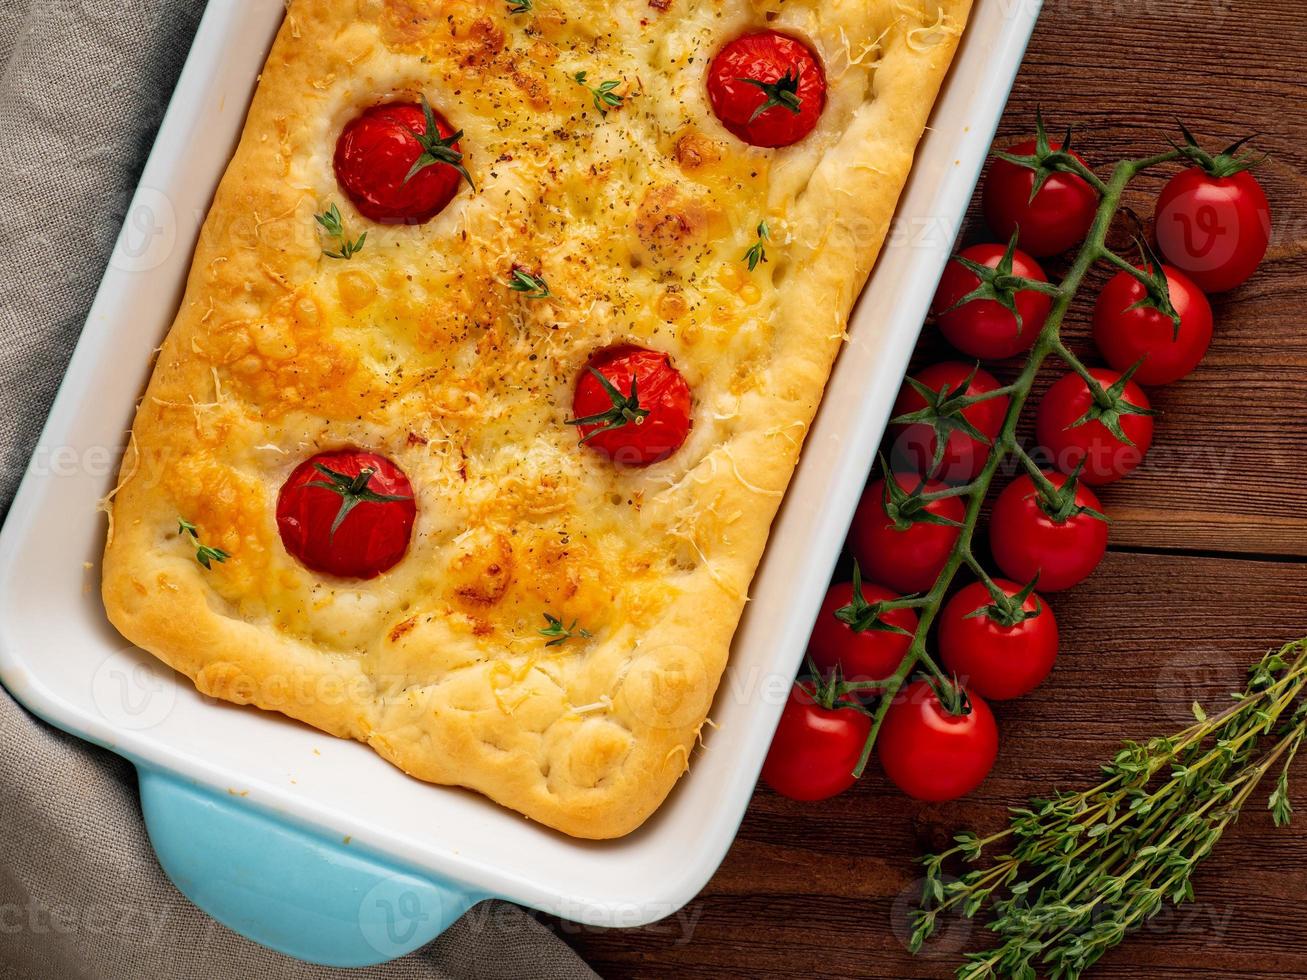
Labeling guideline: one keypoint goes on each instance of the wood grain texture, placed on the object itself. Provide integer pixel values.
(1209, 566)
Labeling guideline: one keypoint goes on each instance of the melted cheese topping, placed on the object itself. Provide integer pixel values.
(639, 220)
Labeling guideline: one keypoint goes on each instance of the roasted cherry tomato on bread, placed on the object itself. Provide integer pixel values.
(984, 327)
(1108, 436)
(853, 633)
(348, 513)
(1214, 222)
(931, 404)
(394, 167)
(1059, 537)
(816, 747)
(900, 539)
(932, 753)
(998, 650)
(767, 88)
(1048, 221)
(632, 405)
(1130, 330)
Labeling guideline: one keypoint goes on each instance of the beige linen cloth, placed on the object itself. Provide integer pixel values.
(83, 86)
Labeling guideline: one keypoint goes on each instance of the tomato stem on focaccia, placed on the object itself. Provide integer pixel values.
(437, 149)
(626, 409)
(204, 554)
(782, 92)
(353, 490)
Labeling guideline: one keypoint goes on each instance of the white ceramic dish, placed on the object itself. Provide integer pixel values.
(261, 789)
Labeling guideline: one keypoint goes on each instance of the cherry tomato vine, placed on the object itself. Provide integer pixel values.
(956, 427)
(1005, 444)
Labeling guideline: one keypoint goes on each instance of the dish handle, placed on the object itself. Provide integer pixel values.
(295, 891)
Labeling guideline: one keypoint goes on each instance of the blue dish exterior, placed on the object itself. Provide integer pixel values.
(290, 889)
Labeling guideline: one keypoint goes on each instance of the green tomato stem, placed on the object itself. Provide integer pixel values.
(1048, 342)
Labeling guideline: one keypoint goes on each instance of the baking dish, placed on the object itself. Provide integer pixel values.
(315, 846)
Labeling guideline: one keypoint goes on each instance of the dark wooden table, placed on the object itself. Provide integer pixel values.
(1208, 566)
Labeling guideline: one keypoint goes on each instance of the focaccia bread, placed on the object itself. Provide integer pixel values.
(551, 630)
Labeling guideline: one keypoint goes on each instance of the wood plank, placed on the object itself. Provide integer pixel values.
(817, 889)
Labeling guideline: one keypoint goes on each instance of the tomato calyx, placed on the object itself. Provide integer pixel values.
(951, 694)
(998, 284)
(783, 92)
(1109, 405)
(1046, 161)
(1227, 163)
(860, 615)
(626, 409)
(906, 508)
(353, 490)
(436, 149)
(1007, 610)
(1060, 503)
(832, 691)
(1157, 291)
(943, 412)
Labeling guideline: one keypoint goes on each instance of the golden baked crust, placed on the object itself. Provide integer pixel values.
(414, 349)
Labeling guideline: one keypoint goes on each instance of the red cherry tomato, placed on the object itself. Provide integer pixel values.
(984, 328)
(994, 660)
(1056, 219)
(1127, 334)
(1106, 458)
(768, 70)
(907, 560)
(869, 655)
(964, 456)
(639, 413)
(348, 513)
(374, 155)
(931, 754)
(815, 749)
(1215, 229)
(1028, 538)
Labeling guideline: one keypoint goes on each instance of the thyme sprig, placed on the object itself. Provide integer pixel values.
(528, 283)
(758, 250)
(1077, 872)
(334, 226)
(558, 633)
(204, 554)
(605, 97)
